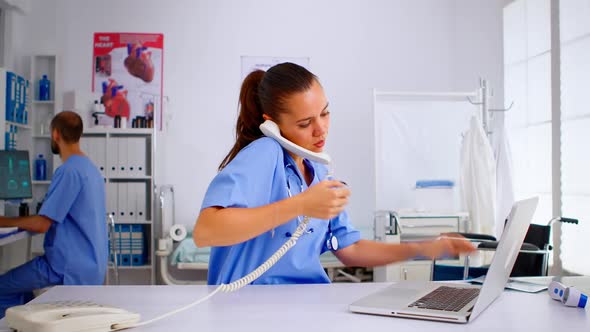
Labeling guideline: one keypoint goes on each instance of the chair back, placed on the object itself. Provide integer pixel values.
(528, 265)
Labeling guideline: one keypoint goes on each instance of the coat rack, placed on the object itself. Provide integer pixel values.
(484, 95)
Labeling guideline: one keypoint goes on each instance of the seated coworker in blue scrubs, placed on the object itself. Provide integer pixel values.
(263, 191)
(72, 218)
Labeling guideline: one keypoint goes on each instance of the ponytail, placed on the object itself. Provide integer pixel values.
(250, 117)
(266, 93)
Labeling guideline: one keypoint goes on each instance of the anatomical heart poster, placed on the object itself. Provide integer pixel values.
(127, 71)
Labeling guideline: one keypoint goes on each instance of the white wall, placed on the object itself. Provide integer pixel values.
(29, 32)
(354, 45)
(478, 34)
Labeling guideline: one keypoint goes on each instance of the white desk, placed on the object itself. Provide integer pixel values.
(14, 237)
(20, 235)
(301, 308)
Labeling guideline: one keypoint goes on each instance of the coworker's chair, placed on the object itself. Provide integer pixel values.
(533, 259)
(113, 251)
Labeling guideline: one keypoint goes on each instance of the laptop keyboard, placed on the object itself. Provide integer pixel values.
(446, 298)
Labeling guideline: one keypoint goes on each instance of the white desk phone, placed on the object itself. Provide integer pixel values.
(89, 317)
(67, 316)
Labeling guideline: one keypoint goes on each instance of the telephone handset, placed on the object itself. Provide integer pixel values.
(270, 129)
(67, 316)
(49, 317)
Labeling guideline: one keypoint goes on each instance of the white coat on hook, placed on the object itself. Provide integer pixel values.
(478, 179)
(504, 184)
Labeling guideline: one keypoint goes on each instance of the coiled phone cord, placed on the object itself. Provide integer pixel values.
(234, 286)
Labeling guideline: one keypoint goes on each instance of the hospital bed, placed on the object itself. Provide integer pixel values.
(184, 255)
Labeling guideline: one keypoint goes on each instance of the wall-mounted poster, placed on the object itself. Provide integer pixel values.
(251, 63)
(127, 71)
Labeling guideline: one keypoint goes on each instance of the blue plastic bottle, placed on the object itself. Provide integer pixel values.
(40, 168)
(44, 88)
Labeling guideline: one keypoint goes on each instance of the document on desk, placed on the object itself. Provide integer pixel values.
(522, 284)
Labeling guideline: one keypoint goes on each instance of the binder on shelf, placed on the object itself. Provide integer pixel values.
(137, 245)
(10, 96)
(17, 104)
(20, 102)
(112, 158)
(111, 201)
(139, 156)
(96, 151)
(142, 156)
(132, 201)
(99, 150)
(141, 201)
(131, 169)
(27, 101)
(122, 159)
(122, 201)
(125, 245)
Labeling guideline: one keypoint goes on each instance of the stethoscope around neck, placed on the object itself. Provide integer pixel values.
(332, 240)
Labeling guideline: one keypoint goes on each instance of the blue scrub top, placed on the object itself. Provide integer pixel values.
(257, 176)
(76, 243)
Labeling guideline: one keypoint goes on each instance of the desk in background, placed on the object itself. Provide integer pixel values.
(299, 308)
(12, 238)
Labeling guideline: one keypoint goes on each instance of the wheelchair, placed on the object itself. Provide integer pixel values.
(533, 259)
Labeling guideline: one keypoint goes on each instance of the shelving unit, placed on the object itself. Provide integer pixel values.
(34, 136)
(125, 158)
(19, 120)
(42, 111)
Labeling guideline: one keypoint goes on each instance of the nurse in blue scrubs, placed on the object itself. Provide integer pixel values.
(262, 192)
(72, 218)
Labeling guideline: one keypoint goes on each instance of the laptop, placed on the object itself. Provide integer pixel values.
(454, 302)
